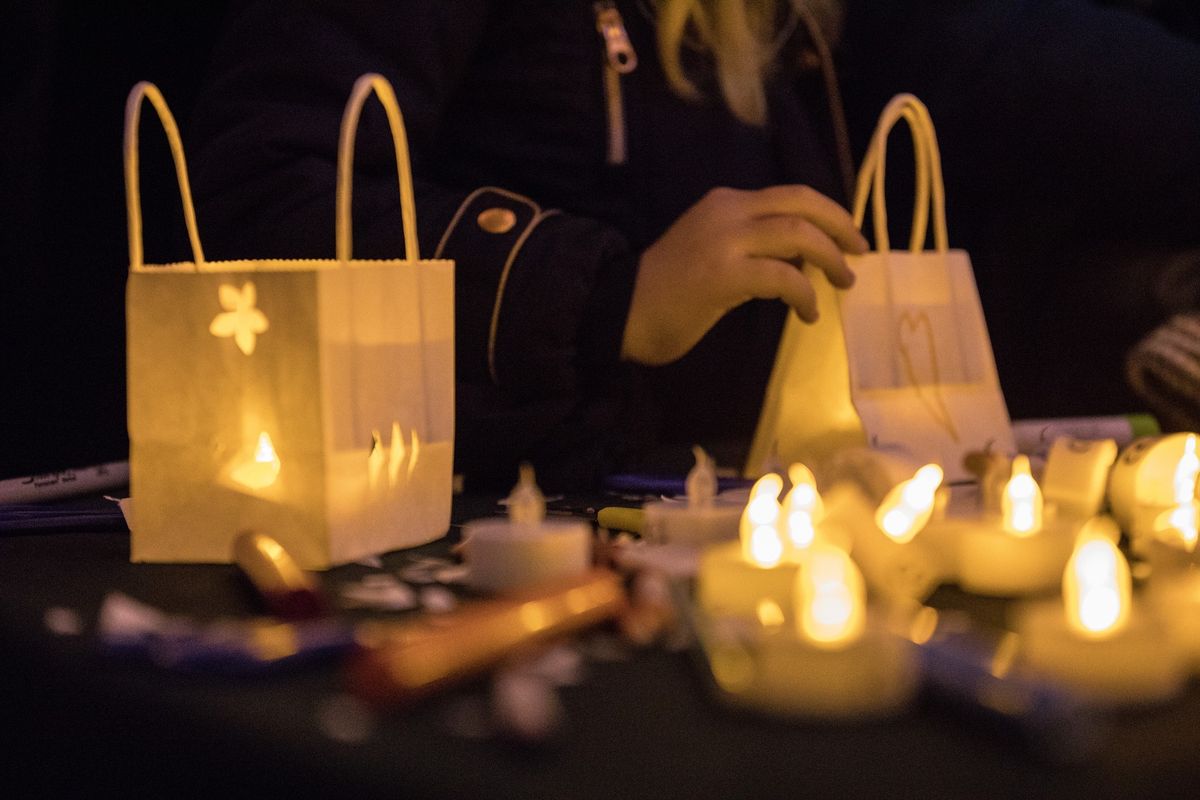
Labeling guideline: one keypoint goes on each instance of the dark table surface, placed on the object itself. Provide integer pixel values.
(80, 721)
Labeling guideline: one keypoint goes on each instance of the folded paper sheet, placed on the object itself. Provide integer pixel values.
(901, 361)
(311, 401)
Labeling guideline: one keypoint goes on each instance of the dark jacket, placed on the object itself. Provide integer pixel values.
(507, 107)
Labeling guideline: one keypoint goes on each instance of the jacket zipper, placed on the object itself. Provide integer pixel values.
(619, 59)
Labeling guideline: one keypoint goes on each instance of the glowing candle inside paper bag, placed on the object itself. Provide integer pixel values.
(1096, 641)
(831, 663)
(735, 576)
(261, 395)
(261, 471)
(1020, 552)
(699, 520)
(525, 548)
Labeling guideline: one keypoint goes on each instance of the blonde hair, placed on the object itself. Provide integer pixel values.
(744, 39)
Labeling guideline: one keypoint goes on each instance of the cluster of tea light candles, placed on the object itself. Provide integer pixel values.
(813, 647)
(789, 629)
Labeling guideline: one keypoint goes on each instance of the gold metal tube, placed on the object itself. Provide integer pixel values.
(401, 662)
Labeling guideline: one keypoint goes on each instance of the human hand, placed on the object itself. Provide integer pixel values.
(730, 247)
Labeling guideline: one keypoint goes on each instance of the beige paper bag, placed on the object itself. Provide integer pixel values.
(902, 361)
(310, 400)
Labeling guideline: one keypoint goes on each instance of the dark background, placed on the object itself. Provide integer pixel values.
(68, 67)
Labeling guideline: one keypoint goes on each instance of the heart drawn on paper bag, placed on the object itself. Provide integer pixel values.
(918, 356)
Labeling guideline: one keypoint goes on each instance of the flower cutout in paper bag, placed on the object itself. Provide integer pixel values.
(241, 319)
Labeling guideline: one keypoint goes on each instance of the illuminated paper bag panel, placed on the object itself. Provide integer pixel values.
(902, 360)
(309, 400)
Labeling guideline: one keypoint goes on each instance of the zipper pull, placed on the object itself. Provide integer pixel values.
(621, 55)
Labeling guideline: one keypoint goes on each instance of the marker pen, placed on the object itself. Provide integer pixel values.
(619, 518)
(65, 483)
(1034, 436)
(637, 483)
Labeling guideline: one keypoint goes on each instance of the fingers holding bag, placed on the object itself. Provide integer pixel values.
(730, 247)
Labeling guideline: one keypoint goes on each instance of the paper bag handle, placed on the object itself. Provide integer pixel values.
(364, 86)
(133, 199)
(930, 188)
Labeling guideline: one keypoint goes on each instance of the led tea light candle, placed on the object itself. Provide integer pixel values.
(888, 482)
(907, 508)
(802, 510)
(1178, 525)
(1075, 479)
(1172, 548)
(832, 600)
(1147, 478)
(875, 472)
(903, 565)
(1020, 552)
(525, 549)
(702, 519)
(1096, 641)
(1173, 534)
(830, 662)
(735, 578)
(992, 471)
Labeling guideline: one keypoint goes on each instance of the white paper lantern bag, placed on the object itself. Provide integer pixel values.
(310, 400)
(902, 360)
